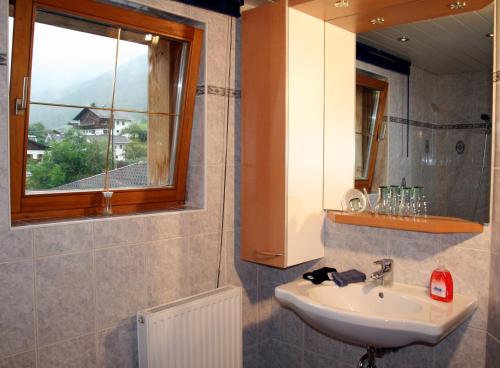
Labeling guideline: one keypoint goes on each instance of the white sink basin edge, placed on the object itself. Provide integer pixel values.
(371, 315)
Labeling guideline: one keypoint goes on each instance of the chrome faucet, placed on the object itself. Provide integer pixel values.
(385, 274)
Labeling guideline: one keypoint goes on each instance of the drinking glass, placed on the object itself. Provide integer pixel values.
(419, 202)
(382, 205)
(394, 199)
(405, 205)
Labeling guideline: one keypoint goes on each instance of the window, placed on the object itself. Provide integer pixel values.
(80, 68)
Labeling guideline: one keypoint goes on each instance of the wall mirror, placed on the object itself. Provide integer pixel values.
(438, 111)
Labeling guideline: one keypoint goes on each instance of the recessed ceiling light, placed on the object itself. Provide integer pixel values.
(457, 5)
(378, 20)
(403, 39)
(491, 35)
(341, 4)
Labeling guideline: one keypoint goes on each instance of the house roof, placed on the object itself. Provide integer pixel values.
(133, 175)
(105, 114)
(35, 146)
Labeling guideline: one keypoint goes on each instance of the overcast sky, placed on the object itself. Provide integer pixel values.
(63, 57)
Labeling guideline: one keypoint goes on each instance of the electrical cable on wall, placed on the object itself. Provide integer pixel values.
(408, 115)
(224, 180)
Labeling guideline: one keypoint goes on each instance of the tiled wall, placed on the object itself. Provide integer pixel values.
(69, 292)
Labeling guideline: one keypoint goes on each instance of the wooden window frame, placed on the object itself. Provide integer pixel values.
(77, 204)
(379, 85)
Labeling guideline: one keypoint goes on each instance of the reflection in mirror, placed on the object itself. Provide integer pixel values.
(439, 130)
(370, 102)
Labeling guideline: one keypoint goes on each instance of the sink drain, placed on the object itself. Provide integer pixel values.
(381, 295)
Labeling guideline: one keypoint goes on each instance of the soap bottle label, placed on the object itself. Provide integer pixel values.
(438, 288)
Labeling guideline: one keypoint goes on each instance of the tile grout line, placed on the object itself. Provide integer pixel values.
(94, 252)
(35, 300)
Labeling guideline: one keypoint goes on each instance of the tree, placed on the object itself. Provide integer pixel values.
(137, 132)
(135, 152)
(68, 160)
(38, 130)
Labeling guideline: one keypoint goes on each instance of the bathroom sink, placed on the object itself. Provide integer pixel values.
(373, 315)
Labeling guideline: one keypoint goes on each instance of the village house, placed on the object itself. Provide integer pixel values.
(35, 150)
(96, 122)
(118, 141)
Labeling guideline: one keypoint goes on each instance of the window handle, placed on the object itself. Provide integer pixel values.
(21, 102)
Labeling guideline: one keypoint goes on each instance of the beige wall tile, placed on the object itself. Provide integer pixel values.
(464, 348)
(250, 306)
(121, 284)
(238, 272)
(167, 270)
(493, 352)
(317, 342)
(313, 360)
(118, 231)
(196, 186)
(494, 298)
(16, 244)
(76, 353)
(469, 269)
(166, 226)
(117, 346)
(480, 241)
(232, 198)
(53, 240)
(215, 129)
(414, 261)
(203, 258)
(217, 44)
(17, 307)
(415, 356)
(197, 148)
(65, 297)
(234, 134)
(23, 360)
(495, 238)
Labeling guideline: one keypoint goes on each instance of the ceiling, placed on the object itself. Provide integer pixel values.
(448, 45)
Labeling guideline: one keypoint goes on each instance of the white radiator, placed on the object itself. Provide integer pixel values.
(201, 331)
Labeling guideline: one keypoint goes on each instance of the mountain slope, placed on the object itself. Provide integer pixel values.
(131, 93)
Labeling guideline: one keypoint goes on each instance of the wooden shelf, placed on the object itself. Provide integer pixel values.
(430, 224)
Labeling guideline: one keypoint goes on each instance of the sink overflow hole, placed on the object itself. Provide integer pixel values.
(381, 295)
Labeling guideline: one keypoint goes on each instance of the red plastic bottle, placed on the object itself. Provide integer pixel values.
(441, 286)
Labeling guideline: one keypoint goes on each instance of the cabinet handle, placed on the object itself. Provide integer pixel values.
(268, 254)
(21, 102)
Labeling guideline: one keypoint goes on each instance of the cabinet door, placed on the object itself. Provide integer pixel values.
(263, 134)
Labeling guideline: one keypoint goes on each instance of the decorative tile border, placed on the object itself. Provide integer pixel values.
(3, 59)
(422, 124)
(219, 91)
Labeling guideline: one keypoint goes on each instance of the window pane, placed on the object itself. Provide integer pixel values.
(59, 155)
(73, 61)
(11, 32)
(68, 146)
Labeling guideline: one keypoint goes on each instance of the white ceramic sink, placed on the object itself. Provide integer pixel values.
(372, 315)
